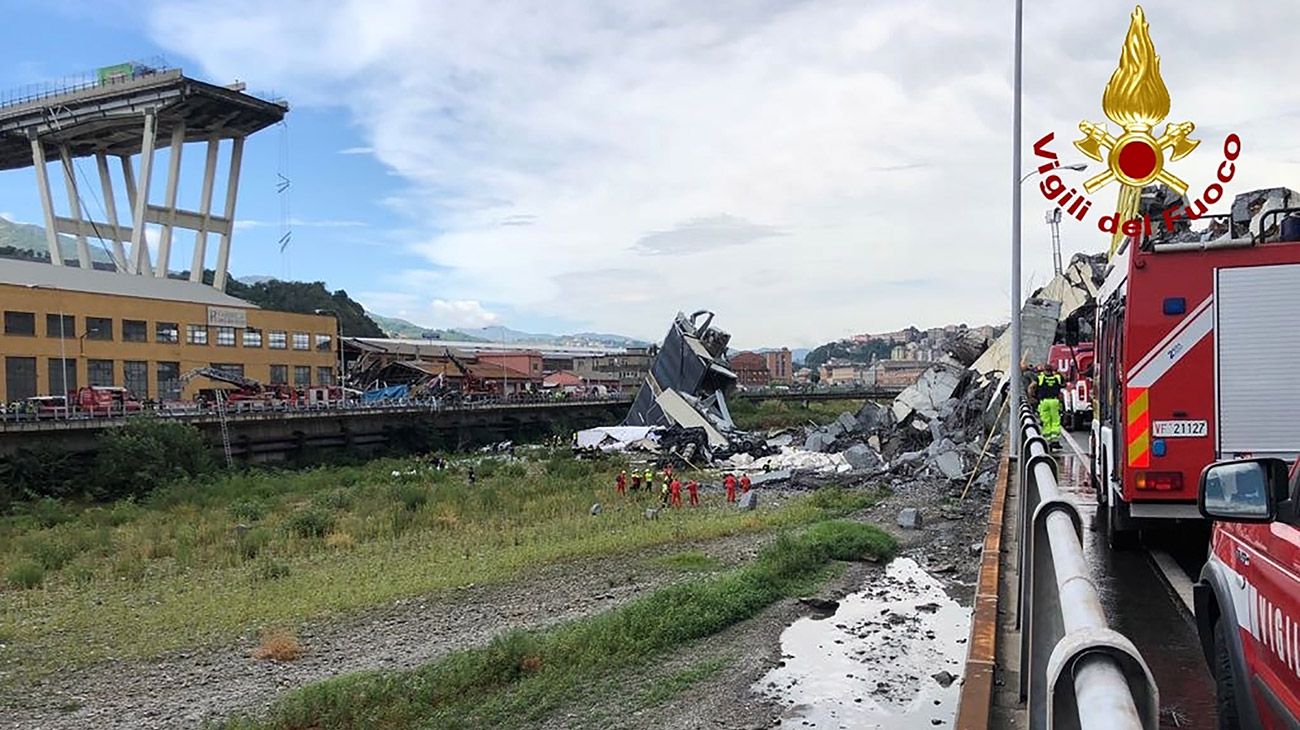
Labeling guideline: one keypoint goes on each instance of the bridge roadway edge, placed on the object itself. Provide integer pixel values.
(984, 700)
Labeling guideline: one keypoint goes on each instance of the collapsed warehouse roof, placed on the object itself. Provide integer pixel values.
(687, 382)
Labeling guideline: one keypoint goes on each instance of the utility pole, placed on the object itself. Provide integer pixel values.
(1053, 218)
(1013, 365)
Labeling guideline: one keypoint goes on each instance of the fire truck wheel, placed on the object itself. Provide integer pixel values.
(1115, 537)
(1224, 683)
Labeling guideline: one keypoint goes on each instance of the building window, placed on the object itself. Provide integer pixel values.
(277, 340)
(324, 376)
(20, 323)
(20, 378)
(196, 334)
(99, 372)
(323, 343)
(279, 374)
(63, 375)
(300, 341)
(167, 332)
(60, 325)
(225, 337)
(135, 330)
(135, 376)
(99, 328)
(229, 368)
(169, 380)
(302, 375)
(252, 337)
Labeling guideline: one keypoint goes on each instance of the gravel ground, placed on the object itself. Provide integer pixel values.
(185, 689)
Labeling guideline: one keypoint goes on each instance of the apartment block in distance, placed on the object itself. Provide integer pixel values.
(66, 327)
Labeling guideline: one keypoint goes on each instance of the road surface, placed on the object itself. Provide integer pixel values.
(1147, 594)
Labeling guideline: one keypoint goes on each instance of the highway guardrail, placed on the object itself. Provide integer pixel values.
(1075, 671)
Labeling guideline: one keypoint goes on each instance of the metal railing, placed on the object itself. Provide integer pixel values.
(1075, 671)
(237, 409)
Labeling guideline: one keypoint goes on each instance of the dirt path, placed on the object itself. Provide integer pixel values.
(185, 689)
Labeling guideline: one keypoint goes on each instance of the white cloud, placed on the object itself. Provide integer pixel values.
(857, 151)
(357, 151)
(461, 313)
(433, 313)
(299, 223)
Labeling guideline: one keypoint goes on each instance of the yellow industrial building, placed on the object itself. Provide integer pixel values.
(66, 327)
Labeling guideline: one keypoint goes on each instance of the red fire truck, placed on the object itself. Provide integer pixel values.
(1074, 363)
(1197, 349)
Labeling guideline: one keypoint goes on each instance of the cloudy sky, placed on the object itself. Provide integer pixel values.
(805, 169)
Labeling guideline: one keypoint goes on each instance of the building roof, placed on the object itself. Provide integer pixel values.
(562, 377)
(36, 274)
(747, 361)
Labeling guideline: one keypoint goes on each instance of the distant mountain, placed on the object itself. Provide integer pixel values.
(497, 333)
(26, 241)
(400, 328)
(397, 327)
(307, 298)
(254, 279)
(799, 354)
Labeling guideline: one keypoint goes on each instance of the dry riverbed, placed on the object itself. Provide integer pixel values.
(710, 683)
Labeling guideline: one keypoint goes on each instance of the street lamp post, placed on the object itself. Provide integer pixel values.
(1013, 369)
(1077, 167)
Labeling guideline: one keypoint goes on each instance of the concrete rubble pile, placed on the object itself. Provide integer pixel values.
(682, 405)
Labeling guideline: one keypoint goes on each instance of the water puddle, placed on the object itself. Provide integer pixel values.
(871, 663)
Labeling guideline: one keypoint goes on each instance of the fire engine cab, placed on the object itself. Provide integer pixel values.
(1197, 346)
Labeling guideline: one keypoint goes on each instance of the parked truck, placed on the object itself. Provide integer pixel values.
(1196, 355)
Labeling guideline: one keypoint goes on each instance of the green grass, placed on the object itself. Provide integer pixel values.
(691, 561)
(521, 677)
(682, 681)
(202, 562)
(756, 415)
(841, 502)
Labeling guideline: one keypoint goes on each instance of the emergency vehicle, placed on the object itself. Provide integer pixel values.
(1196, 350)
(1074, 363)
(1247, 600)
(104, 400)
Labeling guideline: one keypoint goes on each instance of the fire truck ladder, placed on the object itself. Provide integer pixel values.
(225, 430)
(222, 412)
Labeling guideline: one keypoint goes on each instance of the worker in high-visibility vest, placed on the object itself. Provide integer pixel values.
(1046, 389)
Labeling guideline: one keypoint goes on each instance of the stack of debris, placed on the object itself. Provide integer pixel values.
(682, 404)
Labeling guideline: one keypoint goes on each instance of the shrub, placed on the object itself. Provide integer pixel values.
(266, 569)
(840, 501)
(335, 499)
(310, 522)
(25, 574)
(45, 470)
(411, 496)
(251, 542)
(340, 541)
(278, 646)
(145, 454)
(50, 550)
(48, 512)
(246, 510)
